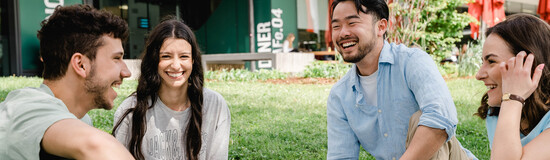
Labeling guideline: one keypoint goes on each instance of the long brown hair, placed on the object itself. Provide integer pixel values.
(524, 32)
(149, 84)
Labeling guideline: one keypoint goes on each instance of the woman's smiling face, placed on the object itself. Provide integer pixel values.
(495, 51)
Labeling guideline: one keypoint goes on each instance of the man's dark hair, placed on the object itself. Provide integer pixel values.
(377, 8)
(75, 29)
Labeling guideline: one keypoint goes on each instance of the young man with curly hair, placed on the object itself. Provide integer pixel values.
(82, 53)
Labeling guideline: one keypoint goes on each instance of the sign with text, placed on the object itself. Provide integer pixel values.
(273, 20)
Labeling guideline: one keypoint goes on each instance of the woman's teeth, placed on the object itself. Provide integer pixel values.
(175, 74)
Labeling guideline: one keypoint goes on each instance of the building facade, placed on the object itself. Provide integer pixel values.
(221, 26)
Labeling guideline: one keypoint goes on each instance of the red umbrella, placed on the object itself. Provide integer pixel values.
(492, 12)
(544, 10)
(328, 32)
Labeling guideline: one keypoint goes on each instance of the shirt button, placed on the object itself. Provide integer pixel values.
(385, 135)
(379, 111)
(356, 106)
(393, 158)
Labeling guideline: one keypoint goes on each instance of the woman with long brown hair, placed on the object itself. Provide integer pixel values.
(516, 105)
(171, 115)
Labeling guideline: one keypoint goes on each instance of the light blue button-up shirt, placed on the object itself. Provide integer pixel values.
(491, 125)
(408, 81)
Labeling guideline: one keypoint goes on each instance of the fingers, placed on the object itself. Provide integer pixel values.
(528, 63)
(537, 74)
(511, 63)
(519, 60)
(502, 68)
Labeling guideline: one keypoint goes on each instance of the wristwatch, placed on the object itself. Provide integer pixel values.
(509, 96)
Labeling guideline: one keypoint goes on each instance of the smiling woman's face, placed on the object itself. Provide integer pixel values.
(175, 62)
(495, 51)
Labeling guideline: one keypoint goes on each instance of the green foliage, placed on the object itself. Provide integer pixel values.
(435, 25)
(244, 75)
(470, 62)
(448, 69)
(317, 69)
(10, 83)
(326, 70)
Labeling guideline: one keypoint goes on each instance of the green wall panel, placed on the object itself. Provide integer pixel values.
(221, 28)
(289, 18)
(243, 32)
(274, 20)
(226, 30)
(262, 21)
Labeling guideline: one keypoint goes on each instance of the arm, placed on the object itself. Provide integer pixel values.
(516, 79)
(220, 141)
(538, 147)
(426, 141)
(437, 124)
(74, 139)
(342, 142)
(123, 129)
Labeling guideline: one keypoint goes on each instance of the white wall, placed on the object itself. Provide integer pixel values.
(322, 9)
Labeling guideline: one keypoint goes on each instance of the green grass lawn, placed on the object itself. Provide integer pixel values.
(288, 121)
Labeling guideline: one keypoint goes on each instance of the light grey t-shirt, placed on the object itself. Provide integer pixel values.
(25, 115)
(166, 128)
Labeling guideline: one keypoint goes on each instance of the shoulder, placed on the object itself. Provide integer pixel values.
(31, 95)
(545, 121)
(26, 114)
(213, 101)
(408, 54)
(32, 100)
(128, 103)
(344, 83)
(210, 95)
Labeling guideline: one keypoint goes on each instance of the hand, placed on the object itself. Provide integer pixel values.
(516, 75)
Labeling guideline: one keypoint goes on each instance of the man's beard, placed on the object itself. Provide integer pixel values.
(362, 51)
(97, 90)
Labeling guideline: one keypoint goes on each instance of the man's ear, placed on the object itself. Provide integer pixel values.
(382, 27)
(80, 64)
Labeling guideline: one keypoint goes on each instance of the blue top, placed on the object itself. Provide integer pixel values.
(491, 125)
(408, 81)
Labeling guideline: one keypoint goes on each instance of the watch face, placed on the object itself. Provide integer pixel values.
(506, 97)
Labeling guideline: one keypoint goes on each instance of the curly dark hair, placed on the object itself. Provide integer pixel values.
(75, 29)
(149, 84)
(524, 32)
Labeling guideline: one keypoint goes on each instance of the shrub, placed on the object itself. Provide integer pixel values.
(435, 25)
(326, 70)
(244, 75)
(470, 62)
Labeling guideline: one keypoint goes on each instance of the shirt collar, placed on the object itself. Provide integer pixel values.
(46, 89)
(385, 55)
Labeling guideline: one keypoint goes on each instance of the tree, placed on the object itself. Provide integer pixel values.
(433, 25)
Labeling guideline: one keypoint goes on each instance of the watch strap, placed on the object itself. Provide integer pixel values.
(509, 96)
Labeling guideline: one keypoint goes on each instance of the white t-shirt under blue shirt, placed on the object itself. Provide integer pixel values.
(369, 87)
